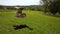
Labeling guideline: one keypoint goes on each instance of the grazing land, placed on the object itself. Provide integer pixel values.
(41, 23)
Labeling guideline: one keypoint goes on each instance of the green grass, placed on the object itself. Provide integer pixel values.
(41, 24)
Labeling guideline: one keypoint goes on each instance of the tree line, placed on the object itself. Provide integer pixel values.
(31, 7)
(52, 6)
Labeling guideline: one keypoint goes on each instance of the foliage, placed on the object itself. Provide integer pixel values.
(31, 7)
(52, 6)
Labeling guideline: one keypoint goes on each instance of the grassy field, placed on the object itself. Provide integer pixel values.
(41, 24)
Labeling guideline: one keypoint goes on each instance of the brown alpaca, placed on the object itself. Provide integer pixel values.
(19, 12)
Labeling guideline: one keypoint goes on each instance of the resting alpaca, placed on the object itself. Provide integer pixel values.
(16, 27)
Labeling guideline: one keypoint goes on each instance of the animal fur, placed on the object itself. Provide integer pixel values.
(16, 27)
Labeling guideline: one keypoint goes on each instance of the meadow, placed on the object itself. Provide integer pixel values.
(41, 23)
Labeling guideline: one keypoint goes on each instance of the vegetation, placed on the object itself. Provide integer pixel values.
(52, 6)
(35, 18)
(32, 7)
(41, 24)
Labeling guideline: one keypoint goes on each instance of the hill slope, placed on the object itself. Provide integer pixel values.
(41, 24)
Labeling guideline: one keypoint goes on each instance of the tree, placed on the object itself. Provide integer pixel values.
(53, 6)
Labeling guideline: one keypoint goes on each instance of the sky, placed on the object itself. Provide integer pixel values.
(19, 2)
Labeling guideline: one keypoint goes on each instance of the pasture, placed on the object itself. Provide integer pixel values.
(41, 23)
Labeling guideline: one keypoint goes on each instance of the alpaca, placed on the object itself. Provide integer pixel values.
(16, 27)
